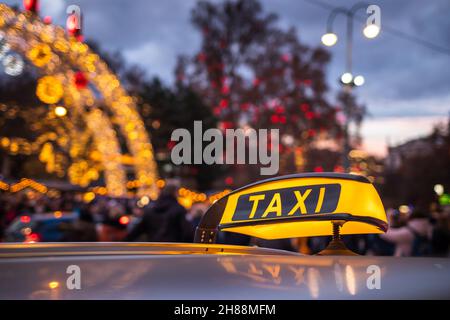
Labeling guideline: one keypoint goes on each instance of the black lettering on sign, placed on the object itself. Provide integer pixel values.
(288, 202)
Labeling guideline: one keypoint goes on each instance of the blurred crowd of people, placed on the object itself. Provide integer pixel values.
(416, 232)
(104, 218)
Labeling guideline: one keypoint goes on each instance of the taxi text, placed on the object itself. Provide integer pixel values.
(288, 202)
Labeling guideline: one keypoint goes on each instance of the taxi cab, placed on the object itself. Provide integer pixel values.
(300, 205)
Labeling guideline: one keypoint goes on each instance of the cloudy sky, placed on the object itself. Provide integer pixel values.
(407, 86)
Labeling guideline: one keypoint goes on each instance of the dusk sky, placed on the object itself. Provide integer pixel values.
(407, 83)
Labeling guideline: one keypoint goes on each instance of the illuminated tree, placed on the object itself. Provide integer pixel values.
(254, 74)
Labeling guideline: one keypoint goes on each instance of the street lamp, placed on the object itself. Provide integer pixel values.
(347, 79)
(329, 39)
(371, 31)
(358, 81)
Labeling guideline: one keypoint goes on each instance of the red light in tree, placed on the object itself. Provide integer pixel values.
(318, 169)
(307, 82)
(304, 107)
(229, 181)
(245, 106)
(80, 80)
(223, 103)
(283, 119)
(31, 5)
(274, 118)
(47, 20)
(256, 82)
(311, 133)
(309, 115)
(225, 89)
(279, 109)
(226, 125)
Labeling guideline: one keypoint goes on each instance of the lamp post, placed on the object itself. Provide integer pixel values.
(347, 79)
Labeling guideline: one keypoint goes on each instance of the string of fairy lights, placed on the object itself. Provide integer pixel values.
(186, 197)
(77, 87)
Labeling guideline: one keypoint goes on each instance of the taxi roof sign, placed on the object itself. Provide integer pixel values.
(299, 205)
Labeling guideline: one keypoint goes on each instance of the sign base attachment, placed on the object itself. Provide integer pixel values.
(337, 247)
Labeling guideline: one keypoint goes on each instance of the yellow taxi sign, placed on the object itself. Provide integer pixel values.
(297, 206)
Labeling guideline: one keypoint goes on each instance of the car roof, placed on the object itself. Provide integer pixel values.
(133, 271)
(8, 250)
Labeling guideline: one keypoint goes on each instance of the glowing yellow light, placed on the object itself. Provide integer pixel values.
(60, 111)
(61, 46)
(357, 154)
(53, 284)
(49, 89)
(5, 142)
(403, 209)
(40, 54)
(185, 202)
(160, 183)
(57, 214)
(145, 200)
(4, 186)
(88, 197)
